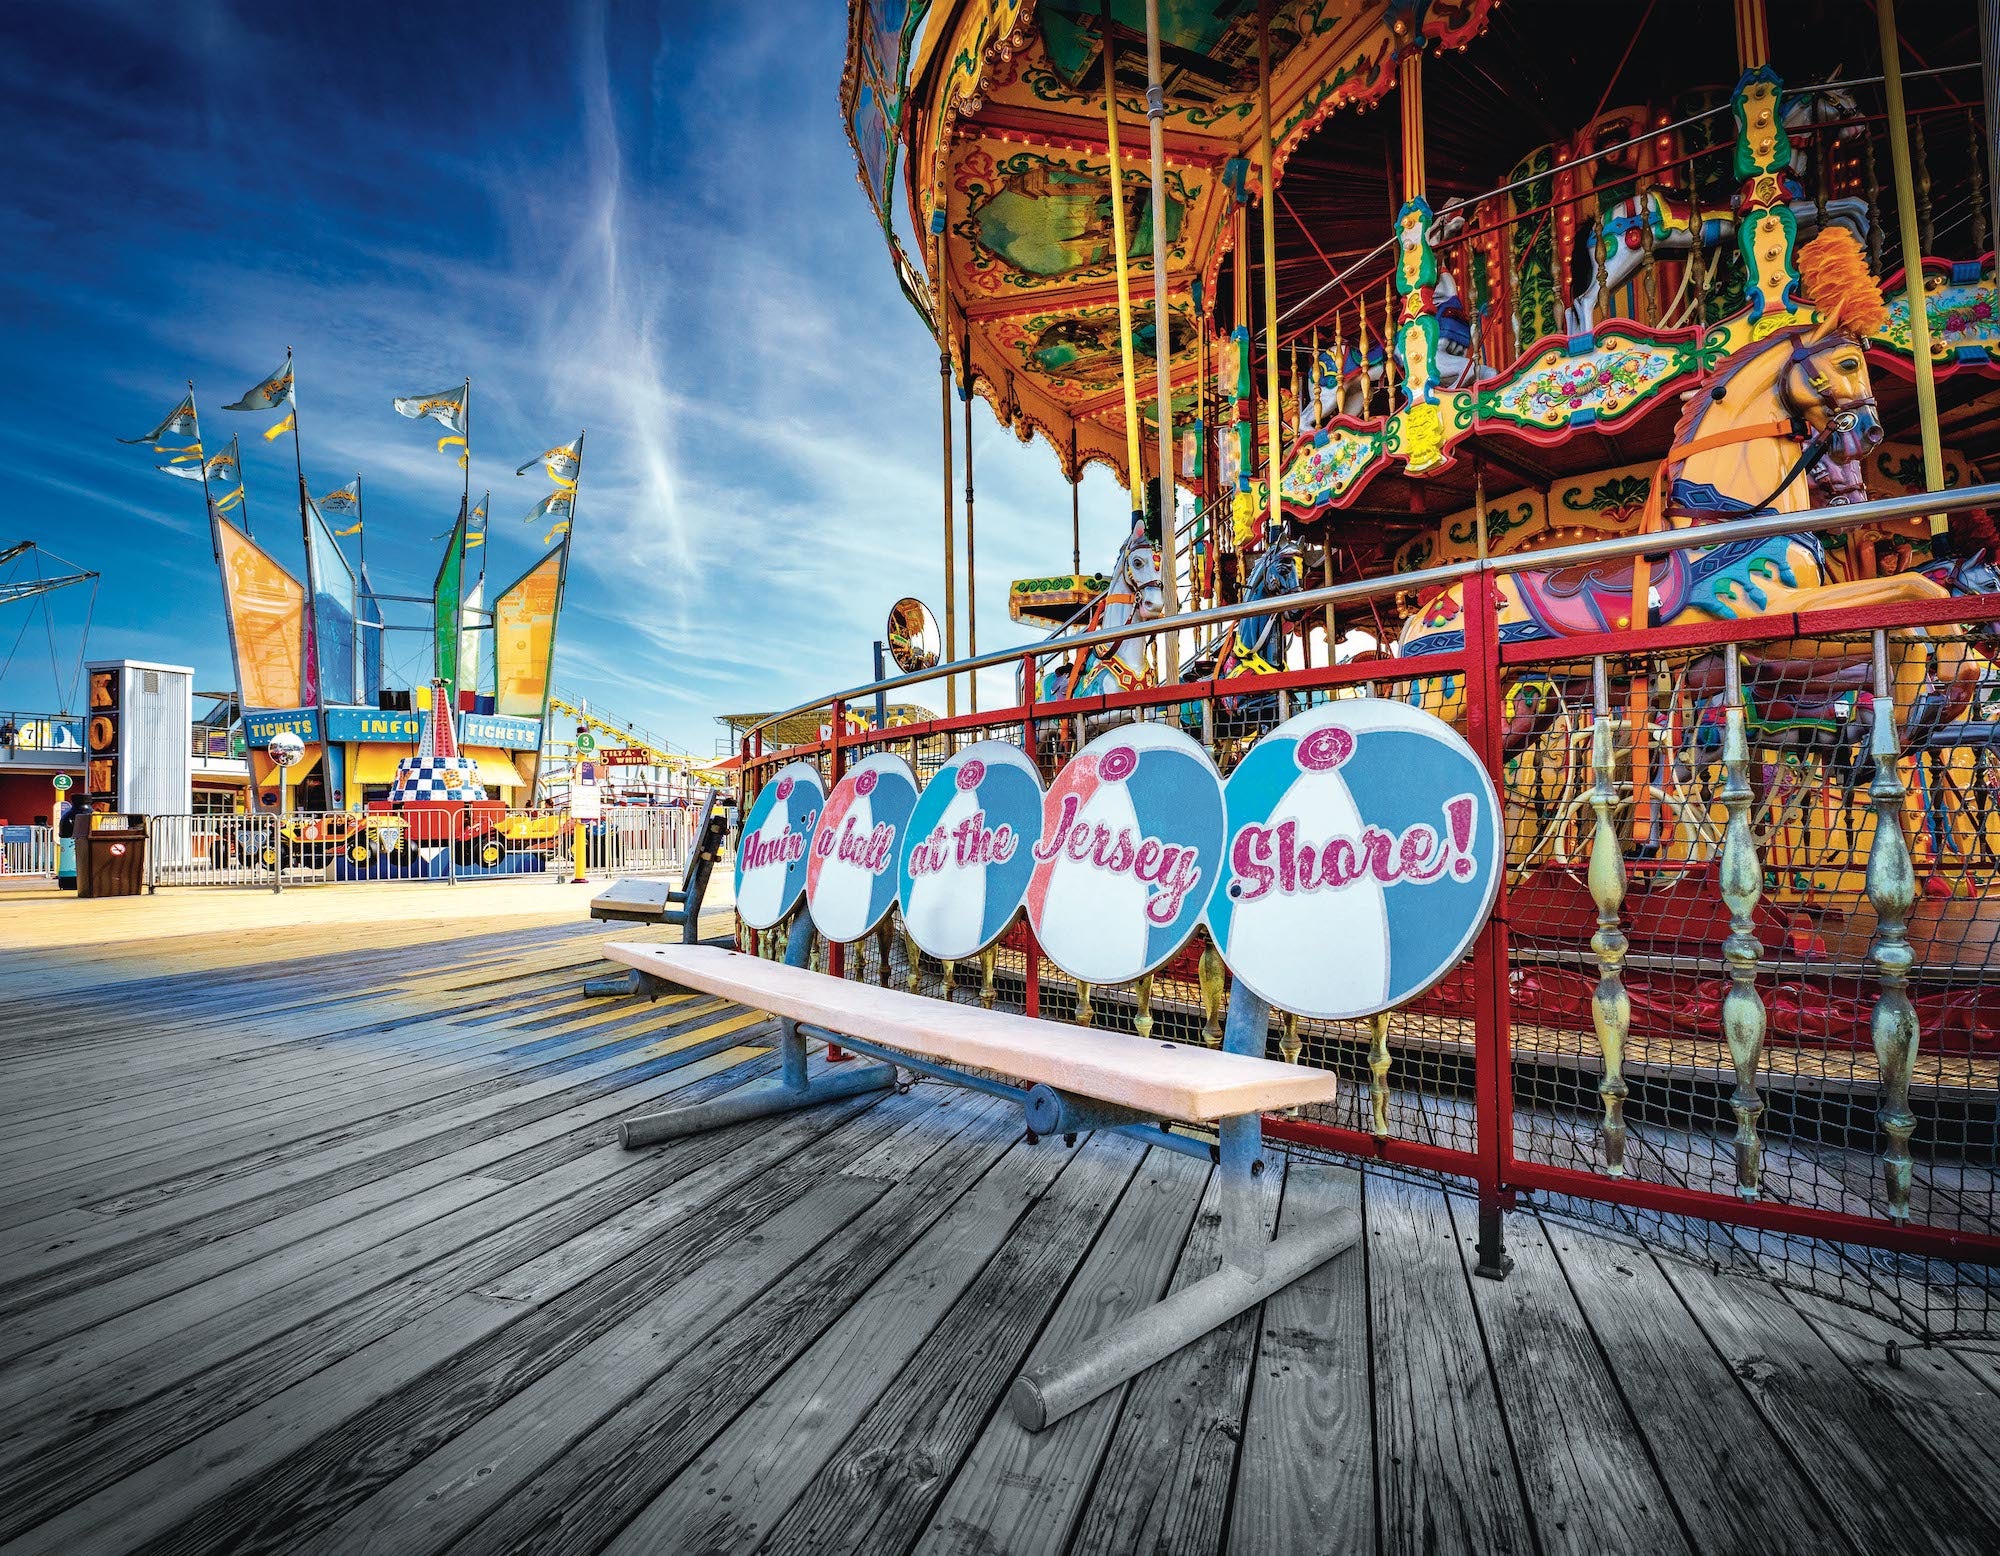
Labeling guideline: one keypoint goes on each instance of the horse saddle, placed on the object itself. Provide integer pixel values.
(1597, 596)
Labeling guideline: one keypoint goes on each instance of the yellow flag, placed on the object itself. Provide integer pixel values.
(281, 428)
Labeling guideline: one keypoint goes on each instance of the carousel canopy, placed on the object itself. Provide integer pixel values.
(996, 110)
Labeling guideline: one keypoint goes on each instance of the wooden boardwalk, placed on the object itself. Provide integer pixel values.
(317, 1240)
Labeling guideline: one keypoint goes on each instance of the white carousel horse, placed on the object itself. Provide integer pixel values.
(1677, 226)
(1136, 594)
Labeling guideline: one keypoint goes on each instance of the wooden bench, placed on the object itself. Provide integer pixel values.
(1069, 1079)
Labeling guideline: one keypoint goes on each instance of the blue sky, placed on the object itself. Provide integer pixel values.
(643, 220)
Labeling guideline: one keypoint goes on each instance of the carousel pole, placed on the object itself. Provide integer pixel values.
(971, 575)
(1267, 199)
(1913, 270)
(1156, 111)
(1075, 507)
(1989, 85)
(944, 415)
(1135, 466)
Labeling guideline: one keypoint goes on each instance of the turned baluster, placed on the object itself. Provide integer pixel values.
(989, 963)
(1378, 1074)
(1288, 1045)
(1610, 1005)
(1083, 1011)
(1143, 1022)
(1892, 887)
(1214, 988)
(882, 933)
(1742, 880)
(950, 977)
(913, 969)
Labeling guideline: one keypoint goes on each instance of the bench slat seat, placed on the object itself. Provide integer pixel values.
(1173, 1081)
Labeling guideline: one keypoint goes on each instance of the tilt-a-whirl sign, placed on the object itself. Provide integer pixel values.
(1345, 866)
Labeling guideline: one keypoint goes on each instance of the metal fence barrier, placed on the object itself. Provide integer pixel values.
(27, 850)
(315, 848)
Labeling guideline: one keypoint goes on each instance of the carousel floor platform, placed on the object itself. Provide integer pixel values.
(320, 1241)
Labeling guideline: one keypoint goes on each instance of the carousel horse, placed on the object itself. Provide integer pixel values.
(1254, 645)
(1136, 594)
(1735, 452)
(1677, 225)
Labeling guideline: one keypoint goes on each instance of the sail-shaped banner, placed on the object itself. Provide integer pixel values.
(267, 620)
(333, 613)
(447, 599)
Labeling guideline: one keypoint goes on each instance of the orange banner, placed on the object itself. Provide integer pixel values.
(524, 638)
(267, 619)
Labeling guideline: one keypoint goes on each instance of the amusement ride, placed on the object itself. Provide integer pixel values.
(1448, 322)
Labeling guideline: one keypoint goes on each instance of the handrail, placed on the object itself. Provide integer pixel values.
(1818, 520)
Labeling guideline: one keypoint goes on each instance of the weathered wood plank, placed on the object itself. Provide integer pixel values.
(1019, 1491)
(1164, 1483)
(1879, 1481)
(1305, 1478)
(238, 1359)
(242, 1496)
(1588, 1478)
(1437, 1413)
(1684, 1401)
(879, 1487)
(743, 1481)
(582, 1499)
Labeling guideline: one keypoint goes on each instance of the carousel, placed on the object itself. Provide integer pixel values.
(1391, 299)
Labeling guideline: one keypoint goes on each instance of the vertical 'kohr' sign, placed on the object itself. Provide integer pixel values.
(851, 874)
(1364, 855)
(968, 853)
(777, 836)
(1131, 839)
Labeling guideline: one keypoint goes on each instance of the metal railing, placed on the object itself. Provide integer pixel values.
(40, 737)
(477, 842)
(27, 850)
(1801, 807)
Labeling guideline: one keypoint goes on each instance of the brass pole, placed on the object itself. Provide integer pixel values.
(1156, 109)
(1989, 89)
(1267, 198)
(1136, 470)
(1075, 506)
(1913, 270)
(971, 564)
(944, 415)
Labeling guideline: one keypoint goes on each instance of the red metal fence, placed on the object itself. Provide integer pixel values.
(1642, 775)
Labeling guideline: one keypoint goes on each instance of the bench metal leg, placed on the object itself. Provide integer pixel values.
(1254, 1267)
(792, 1090)
(613, 985)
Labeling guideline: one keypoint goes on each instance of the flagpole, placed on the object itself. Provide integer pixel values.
(222, 574)
(555, 615)
(312, 592)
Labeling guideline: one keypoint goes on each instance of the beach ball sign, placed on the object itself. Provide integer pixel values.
(851, 869)
(777, 834)
(1130, 842)
(1364, 855)
(968, 852)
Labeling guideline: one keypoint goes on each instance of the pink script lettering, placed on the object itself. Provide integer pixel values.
(1171, 870)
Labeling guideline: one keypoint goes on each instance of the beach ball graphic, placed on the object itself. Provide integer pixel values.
(777, 834)
(1363, 857)
(851, 870)
(1131, 839)
(967, 855)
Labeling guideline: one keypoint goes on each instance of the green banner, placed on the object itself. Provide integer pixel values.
(448, 600)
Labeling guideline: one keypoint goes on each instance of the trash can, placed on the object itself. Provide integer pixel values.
(113, 862)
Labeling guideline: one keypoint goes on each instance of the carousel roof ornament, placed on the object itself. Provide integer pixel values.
(995, 110)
